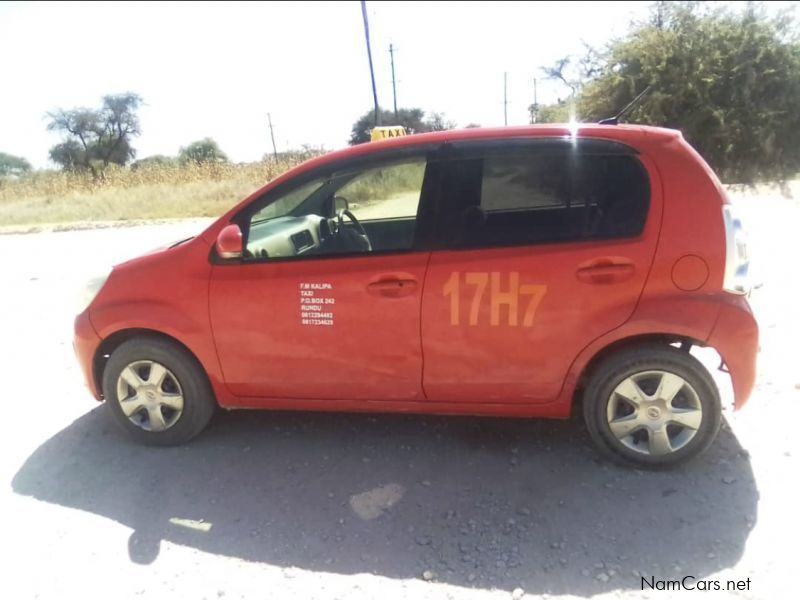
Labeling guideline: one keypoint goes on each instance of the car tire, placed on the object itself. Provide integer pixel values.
(157, 391)
(652, 406)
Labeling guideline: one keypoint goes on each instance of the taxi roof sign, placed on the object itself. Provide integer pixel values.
(382, 133)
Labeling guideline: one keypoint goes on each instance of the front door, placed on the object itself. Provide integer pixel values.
(544, 247)
(326, 303)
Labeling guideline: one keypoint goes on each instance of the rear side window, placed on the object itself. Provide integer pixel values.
(522, 183)
(519, 197)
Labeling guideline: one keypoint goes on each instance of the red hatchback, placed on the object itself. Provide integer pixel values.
(521, 272)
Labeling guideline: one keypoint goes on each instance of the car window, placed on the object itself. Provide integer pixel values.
(353, 211)
(516, 198)
(518, 182)
(385, 192)
(287, 203)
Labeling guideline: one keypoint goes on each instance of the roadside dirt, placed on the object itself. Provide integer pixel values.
(274, 505)
(84, 225)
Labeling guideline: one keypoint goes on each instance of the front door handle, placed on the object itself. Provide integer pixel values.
(393, 287)
(601, 272)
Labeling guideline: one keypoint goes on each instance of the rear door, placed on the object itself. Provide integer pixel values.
(543, 247)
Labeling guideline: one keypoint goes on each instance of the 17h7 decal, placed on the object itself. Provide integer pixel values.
(508, 295)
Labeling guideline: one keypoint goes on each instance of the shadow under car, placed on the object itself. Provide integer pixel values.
(481, 502)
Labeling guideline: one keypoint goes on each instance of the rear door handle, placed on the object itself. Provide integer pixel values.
(605, 272)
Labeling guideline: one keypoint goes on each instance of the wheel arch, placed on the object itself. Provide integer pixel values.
(625, 343)
(116, 339)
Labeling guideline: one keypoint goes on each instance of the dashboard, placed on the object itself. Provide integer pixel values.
(287, 236)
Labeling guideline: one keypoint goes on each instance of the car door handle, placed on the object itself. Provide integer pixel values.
(393, 286)
(605, 272)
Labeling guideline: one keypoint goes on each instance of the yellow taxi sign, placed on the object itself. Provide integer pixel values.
(382, 133)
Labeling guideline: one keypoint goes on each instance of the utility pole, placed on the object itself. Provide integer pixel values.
(394, 86)
(505, 97)
(535, 105)
(272, 135)
(371, 70)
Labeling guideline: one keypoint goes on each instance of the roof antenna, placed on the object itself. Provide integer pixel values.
(615, 119)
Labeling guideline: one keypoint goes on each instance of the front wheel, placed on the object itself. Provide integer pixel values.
(653, 406)
(157, 392)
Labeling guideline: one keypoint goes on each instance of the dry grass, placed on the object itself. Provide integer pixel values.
(173, 191)
(153, 192)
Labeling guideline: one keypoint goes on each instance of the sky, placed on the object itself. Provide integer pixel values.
(217, 69)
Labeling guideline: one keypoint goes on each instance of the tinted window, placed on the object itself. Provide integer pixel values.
(518, 197)
(522, 182)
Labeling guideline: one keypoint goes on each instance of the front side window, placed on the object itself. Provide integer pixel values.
(518, 198)
(353, 211)
(288, 202)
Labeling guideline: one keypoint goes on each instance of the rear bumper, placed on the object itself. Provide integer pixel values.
(735, 337)
(85, 343)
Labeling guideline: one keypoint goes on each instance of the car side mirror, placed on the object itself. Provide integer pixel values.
(340, 204)
(229, 242)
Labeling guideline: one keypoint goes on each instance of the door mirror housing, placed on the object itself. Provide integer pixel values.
(229, 242)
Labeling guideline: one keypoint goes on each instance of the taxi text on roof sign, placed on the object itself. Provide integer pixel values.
(382, 133)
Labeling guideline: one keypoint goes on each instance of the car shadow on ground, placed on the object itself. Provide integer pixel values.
(480, 502)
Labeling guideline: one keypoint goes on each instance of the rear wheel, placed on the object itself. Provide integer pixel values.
(653, 406)
(157, 391)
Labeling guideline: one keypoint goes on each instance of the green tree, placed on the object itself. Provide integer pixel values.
(202, 151)
(95, 138)
(564, 71)
(572, 72)
(156, 160)
(71, 156)
(438, 122)
(729, 80)
(13, 165)
(413, 119)
(558, 112)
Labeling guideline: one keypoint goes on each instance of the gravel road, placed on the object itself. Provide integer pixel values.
(274, 505)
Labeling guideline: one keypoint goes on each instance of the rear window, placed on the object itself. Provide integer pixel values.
(518, 197)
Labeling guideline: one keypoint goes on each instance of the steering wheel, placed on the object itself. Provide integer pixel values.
(360, 231)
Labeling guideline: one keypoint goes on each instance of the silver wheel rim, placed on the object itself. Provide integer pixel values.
(654, 412)
(150, 395)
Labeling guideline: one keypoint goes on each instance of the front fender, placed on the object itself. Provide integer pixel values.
(165, 293)
(144, 314)
(163, 319)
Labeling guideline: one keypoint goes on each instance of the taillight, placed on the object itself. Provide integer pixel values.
(737, 261)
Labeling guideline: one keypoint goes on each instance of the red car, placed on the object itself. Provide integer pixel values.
(517, 272)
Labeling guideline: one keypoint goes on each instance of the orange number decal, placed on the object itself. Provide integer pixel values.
(508, 298)
(479, 280)
(500, 296)
(536, 292)
(451, 289)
